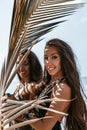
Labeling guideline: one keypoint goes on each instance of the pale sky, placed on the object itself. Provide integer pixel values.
(73, 31)
(6, 7)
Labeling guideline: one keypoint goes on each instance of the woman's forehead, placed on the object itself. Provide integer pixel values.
(20, 57)
(50, 49)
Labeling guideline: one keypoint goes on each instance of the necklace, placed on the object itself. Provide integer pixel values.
(48, 88)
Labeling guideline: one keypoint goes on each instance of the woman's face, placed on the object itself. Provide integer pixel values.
(24, 68)
(52, 62)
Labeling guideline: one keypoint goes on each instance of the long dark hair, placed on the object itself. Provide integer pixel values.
(77, 111)
(36, 72)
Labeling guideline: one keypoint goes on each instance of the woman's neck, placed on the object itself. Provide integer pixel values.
(53, 78)
(25, 81)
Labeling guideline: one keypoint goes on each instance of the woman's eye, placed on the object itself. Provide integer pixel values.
(25, 64)
(54, 57)
(45, 58)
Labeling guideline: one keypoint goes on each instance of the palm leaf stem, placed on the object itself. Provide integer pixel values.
(26, 123)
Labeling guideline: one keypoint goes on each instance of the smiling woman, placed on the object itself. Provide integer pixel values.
(30, 71)
(62, 81)
(38, 14)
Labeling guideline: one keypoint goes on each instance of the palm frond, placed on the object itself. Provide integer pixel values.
(18, 108)
(31, 19)
(22, 107)
(35, 15)
(38, 21)
(26, 123)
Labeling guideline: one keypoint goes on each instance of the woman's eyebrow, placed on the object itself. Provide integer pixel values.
(54, 53)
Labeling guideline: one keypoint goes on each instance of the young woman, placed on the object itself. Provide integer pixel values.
(30, 71)
(62, 75)
(62, 81)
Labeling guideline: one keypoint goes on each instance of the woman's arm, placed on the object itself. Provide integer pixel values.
(63, 92)
(30, 90)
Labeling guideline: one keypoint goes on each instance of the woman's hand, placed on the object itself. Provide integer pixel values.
(4, 98)
(7, 96)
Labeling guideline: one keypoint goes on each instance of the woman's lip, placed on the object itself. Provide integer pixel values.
(22, 72)
(50, 68)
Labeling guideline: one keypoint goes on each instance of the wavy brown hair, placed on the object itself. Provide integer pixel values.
(77, 111)
(36, 72)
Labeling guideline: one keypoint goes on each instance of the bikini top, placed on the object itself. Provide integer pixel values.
(46, 93)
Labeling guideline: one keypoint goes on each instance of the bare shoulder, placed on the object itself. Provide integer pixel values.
(66, 88)
(63, 90)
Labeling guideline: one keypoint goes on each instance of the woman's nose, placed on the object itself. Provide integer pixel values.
(48, 61)
(21, 67)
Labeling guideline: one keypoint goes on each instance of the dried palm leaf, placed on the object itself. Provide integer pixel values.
(31, 20)
(38, 20)
(25, 106)
(26, 123)
(35, 14)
